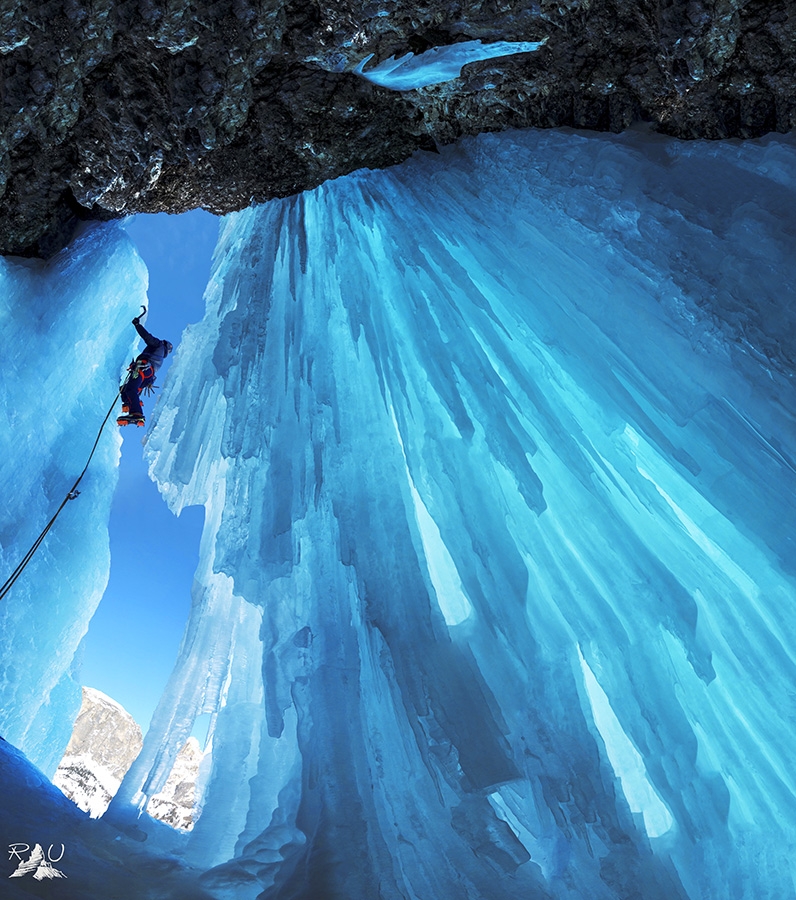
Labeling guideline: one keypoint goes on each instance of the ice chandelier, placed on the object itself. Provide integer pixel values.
(482, 440)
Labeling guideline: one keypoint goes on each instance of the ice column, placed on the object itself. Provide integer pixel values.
(66, 339)
(500, 446)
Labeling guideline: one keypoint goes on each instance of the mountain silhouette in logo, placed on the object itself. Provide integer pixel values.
(38, 866)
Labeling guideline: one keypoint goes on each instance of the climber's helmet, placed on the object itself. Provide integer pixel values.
(169, 347)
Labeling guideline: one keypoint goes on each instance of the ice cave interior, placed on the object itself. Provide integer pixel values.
(496, 585)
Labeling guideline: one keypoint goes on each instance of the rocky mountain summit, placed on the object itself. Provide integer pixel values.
(105, 741)
(121, 106)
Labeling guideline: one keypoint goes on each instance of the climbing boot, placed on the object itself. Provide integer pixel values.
(131, 419)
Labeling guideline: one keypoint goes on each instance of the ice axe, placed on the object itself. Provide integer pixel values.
(141, 315)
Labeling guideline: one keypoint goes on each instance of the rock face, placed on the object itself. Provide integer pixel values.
(174, 805)
(105, 741)
(112, 107)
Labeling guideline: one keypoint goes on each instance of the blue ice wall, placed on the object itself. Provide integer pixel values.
(66, 337)
(498, 445)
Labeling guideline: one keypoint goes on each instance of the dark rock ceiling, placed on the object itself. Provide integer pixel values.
(111, 108)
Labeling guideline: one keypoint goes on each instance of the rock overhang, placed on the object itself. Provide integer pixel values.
(124, 107)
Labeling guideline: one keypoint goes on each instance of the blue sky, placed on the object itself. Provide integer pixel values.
(132, 641)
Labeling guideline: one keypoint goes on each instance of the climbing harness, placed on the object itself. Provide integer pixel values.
(142, 367)
(71, 495)
(145, 369)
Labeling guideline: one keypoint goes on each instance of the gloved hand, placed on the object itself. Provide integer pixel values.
(136, 320)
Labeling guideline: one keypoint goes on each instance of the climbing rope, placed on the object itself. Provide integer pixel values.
(72, 493)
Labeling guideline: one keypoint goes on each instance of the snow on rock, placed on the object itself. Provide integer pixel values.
(175, 803)
(105, 741)
(105, 729)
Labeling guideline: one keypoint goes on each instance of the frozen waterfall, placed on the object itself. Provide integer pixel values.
(497, 579)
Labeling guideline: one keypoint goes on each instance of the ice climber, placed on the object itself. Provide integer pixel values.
(141, 375)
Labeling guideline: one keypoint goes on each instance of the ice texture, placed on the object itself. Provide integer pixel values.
(66, 340)
(497, 581)
(438, 64)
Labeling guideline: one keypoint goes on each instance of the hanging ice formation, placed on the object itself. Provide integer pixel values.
(66, 336)
(497, 581)
(437, 64)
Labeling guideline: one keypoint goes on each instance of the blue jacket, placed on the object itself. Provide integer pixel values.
(156, 350)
